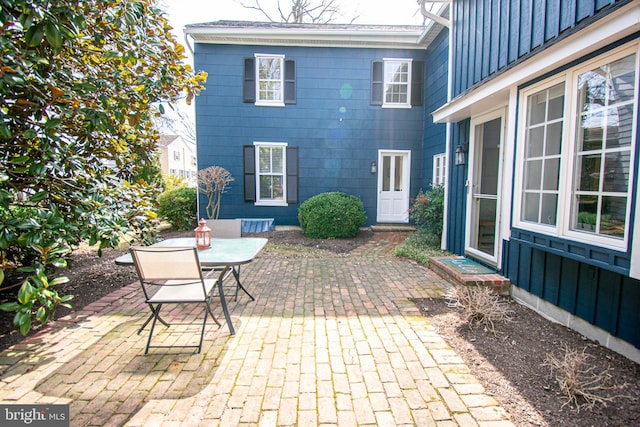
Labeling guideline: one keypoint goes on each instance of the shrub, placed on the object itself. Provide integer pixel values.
(178, 206)
(331, 215)
(480, 305)
(427, 211)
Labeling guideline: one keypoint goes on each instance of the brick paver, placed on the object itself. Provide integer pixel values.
(329, 341)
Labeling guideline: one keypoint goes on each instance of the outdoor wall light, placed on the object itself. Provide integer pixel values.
(461, 154)
(374, 167)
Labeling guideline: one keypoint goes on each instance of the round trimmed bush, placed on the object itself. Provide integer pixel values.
(331, 215)
(178, 206)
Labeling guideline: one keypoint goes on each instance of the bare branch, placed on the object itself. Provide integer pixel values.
(300, 11)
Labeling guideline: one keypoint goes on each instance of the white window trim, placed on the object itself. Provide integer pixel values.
(563, 223)
(270, 202)
(442, 176)
(386, 104)
(269, 103)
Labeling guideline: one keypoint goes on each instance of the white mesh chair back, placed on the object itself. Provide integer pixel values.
(225, 228)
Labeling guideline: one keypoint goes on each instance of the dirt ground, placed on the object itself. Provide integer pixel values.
(509, 364)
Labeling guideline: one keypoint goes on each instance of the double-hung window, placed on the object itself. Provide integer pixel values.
(271, 173)
(439, 169)
(397, 83)
(576, 151)
(269, 79)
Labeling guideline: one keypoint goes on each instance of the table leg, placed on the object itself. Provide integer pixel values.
(225, 309)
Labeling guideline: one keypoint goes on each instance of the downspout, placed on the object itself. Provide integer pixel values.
(443, 242)
(436, 18)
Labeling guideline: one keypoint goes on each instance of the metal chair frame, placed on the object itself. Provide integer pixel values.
(172, 275)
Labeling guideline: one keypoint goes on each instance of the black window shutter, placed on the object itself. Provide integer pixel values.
(292, 174)
(249, 81)
(249, 153)
(377, 82)
(417, 83)
(289, 81)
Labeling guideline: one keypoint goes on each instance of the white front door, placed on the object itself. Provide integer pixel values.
(393, 186)
(483, 230)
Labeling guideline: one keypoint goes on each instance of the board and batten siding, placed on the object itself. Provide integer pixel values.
(336, 129)
(491, 35)
(436, 85)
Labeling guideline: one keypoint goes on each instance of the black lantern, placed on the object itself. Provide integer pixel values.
(461, 155)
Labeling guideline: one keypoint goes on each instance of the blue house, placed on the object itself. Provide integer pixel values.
(528, 110)
(543, 118)
(294, 110)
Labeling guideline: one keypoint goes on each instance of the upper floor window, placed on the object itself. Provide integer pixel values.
(176, 155)
(576, 155)
(397, 83)
(397, 78)
(269, 80)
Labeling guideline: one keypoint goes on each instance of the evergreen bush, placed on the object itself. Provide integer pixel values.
(331, 215)
(178, 207)
(427, 211)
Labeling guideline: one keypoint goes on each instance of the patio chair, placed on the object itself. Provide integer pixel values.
(172, 275)
(227, 229)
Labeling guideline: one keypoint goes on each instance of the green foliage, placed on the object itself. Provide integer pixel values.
(420, 246)
(79, 85)
(331, 215)
(427, 211)
(171, 182)
(178, 206)
(37, 293)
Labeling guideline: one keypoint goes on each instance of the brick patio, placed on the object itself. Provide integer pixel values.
(331, 341)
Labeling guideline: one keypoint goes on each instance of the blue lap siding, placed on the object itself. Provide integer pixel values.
(336, 129)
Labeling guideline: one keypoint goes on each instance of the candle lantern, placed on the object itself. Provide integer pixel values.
(203, 235)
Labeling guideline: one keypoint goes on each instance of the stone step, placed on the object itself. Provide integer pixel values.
(392, 227)
(465, 271)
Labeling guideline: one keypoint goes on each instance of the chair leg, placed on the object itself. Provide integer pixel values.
(153, 312)
(156, 316)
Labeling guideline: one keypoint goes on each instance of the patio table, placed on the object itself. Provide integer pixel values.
(222, 253)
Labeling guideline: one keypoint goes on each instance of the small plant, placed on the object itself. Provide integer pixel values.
(212, 182)
(480, 305)
(178, 206)
(331, 215)
(420, 246)
(579, 381)
(427, 212)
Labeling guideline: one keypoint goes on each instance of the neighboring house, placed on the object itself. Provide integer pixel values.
(178, 157)
(294, 110)
(544, 113)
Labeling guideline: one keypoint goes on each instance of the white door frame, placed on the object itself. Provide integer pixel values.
(401, 208)
(494, 259)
